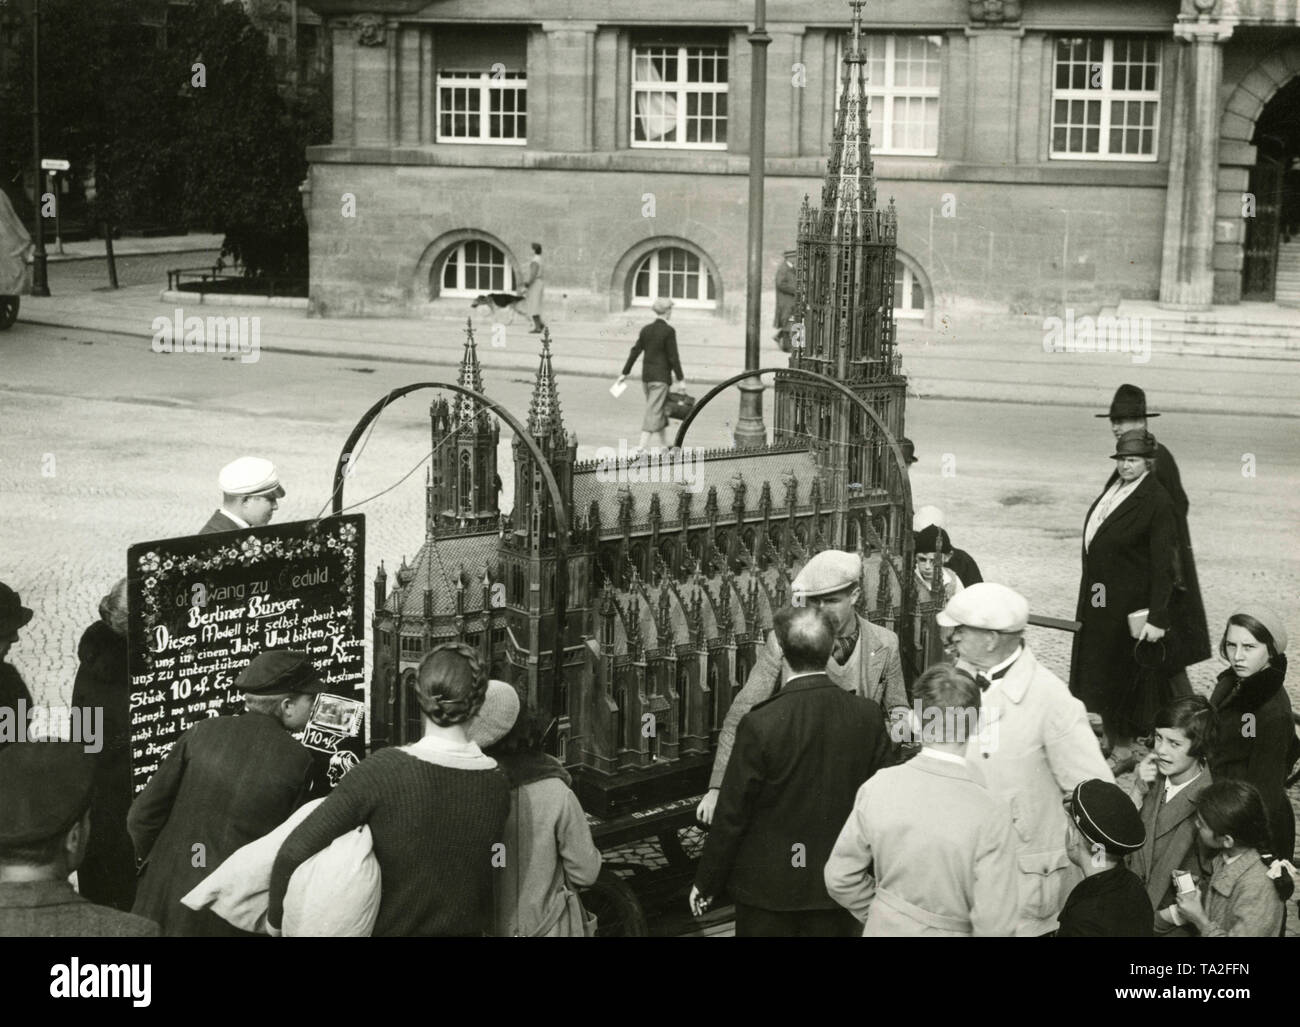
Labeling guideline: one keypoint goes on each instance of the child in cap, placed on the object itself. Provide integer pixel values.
(1165, 789)
(1110, 901)
(1247, 889)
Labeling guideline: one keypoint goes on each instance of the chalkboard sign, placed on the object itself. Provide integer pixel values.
(202, 606)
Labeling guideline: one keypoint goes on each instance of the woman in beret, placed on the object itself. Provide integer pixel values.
(549, 852)
(435, 808)
(1129, 538)
(1256, 731)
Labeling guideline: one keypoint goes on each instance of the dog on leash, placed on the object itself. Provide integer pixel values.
(495, 301)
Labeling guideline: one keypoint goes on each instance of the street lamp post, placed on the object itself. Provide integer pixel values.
(40, 278)
(750, 429)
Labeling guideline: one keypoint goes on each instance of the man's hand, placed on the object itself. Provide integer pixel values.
(1151, 633)
(621, 379)
(704, 811)
(699, 903)
(681, 383)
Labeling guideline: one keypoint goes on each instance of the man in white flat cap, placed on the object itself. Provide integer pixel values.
(864, 659)
(250, 494)
(1035, 744)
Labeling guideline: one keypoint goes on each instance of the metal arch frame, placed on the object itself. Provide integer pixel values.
(561, 515)
(816, 376)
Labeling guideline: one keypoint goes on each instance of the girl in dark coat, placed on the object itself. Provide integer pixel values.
(1130, 535)
(1250, 694)
(107, 874)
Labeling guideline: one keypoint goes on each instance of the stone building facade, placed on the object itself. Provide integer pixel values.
(1040, 153)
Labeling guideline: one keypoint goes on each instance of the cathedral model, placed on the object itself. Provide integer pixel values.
(670, 591)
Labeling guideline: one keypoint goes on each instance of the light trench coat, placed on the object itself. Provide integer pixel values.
(1035, 745)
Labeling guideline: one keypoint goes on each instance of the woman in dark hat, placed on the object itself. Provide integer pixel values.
(436, 809)
(13, 616)
(1252, 691)
(1128, 412)
(107, 874)
(1122, 658)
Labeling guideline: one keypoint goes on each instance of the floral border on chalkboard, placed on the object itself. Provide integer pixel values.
(159, 570)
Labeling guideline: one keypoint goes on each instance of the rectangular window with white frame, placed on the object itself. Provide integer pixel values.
(480, 93)
(483, 107)
(679, 96)
(1106, 98)
(902, 90)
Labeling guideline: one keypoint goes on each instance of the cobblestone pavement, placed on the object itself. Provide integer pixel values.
(103, 444)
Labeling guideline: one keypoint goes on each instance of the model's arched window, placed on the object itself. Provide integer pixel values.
(909, 294)
(677, 274)
(476, 266)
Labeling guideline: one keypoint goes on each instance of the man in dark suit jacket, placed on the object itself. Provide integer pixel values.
(1189, 632)
(250, 494)
(226, 782)
(798, 761)
(45, 791)
(658, 342)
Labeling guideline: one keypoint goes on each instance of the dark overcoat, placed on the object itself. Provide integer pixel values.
(790, 783)
(1130, 566)
(107, 872)
(1264, 754)
(226, 782)
(1187, 611)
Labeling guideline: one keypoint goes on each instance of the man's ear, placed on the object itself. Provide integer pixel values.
(74, 843)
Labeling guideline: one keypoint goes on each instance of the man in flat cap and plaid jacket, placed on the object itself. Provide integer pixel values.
(226, 782)
(865, 659)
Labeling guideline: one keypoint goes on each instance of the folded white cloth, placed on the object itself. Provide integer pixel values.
(333, 894)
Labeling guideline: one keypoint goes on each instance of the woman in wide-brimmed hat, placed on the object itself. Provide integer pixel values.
(1251, 691)
(1123, 658)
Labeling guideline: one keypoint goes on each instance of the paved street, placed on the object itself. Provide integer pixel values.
(104, 443)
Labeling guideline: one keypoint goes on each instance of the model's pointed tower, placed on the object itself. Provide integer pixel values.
(463, 480)
(844, 314)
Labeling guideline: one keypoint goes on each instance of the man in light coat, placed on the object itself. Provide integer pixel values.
(1034, 746)
(864, 659)
(928, 850)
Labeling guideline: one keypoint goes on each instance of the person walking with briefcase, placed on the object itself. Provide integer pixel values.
(658, 342)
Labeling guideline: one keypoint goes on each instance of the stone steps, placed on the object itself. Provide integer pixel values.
(1263, 330)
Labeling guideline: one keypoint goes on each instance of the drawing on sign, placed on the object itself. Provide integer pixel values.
(202, 606)
(333, 720)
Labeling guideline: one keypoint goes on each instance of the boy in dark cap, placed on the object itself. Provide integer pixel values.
(1111, 901)
(226, 782)
(45, 793)
(13, 616)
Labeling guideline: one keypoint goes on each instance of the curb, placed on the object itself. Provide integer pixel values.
(233, 299)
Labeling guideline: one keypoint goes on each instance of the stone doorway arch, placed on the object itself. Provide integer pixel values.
(1238, 156)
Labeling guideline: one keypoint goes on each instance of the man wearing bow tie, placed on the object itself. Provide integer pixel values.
(1036, 745)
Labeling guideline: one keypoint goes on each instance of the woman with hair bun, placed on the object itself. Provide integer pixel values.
(435, 808)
